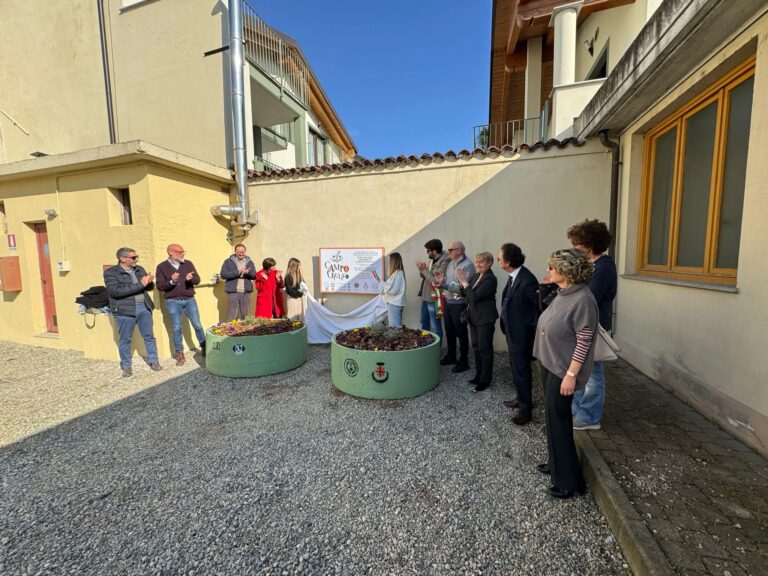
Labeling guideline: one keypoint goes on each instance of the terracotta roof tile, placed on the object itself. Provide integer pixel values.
(363, 163)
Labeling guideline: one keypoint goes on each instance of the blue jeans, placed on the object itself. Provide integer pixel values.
(428, 319)
(125, 326)
(394, 315)
(176, 308)
(588, 403)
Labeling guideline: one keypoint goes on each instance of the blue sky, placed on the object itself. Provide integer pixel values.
(406, 76)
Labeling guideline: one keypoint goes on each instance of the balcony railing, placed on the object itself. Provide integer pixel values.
(263, 164)
(513, 132)
(265, 49)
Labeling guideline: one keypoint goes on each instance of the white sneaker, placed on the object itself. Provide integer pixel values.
(579, 425)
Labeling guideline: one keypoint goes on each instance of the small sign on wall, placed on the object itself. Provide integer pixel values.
(351, 270)
(12, 242)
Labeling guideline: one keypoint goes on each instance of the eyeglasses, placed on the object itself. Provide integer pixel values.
(136, 257)
(453, 249)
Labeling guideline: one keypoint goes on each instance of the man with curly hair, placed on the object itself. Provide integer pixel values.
(593, 238)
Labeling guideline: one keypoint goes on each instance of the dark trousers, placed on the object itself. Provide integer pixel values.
(455, 328)
(520, 361)
(482, 345)
(563, 461)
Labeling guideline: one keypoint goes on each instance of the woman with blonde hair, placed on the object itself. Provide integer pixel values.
(564, 346)
(480, 292)
(394, 290)
(295, 288)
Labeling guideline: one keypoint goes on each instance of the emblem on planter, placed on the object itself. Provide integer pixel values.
(216, 346)
(350, 367)
(239, 349)
(380, 373)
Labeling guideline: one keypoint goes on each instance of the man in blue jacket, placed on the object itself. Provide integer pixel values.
(128, 286)
(593, 238)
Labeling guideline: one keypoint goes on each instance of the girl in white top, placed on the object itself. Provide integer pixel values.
(394, 290)
(295, 288)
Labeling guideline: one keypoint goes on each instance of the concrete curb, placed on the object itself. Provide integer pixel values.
(641, 550)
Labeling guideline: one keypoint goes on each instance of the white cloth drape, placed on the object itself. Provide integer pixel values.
(322, 324)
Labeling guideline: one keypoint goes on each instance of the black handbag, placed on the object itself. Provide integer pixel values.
(547, 293)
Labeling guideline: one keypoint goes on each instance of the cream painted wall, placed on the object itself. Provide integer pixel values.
(706, 345)
(65, 64)
(483, 202)
(165, 90)
(168, 206)
(619, 25)
(568, 101)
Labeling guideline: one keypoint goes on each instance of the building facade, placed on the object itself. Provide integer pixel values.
(158, 70)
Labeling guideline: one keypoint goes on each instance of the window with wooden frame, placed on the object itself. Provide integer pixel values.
(695, 165)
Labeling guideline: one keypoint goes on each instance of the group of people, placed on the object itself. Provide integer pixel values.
(129, 285)
(457, 293)
(554, 322)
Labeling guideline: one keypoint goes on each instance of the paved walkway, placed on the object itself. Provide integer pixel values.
(701, 494)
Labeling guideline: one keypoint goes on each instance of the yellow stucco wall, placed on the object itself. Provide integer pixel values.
(167, 205)
(709, 346)
(529, 199)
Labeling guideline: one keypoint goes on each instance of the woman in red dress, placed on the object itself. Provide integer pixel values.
(269, 298)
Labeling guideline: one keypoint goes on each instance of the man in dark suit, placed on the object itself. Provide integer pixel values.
(519, 311)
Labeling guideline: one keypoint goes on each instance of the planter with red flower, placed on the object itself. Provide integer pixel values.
(385, 363)
(255, 347)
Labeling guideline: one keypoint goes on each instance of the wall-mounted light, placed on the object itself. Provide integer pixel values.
(51, 213)
(589, 43)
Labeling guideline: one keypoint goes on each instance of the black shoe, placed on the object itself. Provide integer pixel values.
(543, 468)
(447, 361)
(521, 419)
(460, 368)
(563, 494)
(510, 403)
(127, 372)
(480, 387)
(156, 367)
(473, 381)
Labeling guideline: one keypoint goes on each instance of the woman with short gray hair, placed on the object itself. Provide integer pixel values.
(564, 347)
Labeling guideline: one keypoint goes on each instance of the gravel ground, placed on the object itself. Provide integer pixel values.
(182, 472)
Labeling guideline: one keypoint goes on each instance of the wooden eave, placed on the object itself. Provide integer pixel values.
(328, 118)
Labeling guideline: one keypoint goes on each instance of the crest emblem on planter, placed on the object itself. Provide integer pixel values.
(350, 367)
(380, 373)
(239, 349)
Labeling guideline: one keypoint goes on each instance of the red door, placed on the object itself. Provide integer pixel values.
(46, 277)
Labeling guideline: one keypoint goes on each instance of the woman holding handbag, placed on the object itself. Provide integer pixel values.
(564, 346)
(480, 291)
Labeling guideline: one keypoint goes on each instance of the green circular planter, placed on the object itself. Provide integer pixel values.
(252, 356)
(383, 375)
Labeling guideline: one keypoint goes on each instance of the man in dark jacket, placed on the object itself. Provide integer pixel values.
(176, 279)
(128, 286)
(519, 310)
(238, 271)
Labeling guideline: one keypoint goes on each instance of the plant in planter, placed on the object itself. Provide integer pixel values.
(255, 347)
(385, 363)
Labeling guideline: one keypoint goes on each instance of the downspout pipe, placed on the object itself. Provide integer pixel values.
(615, 164)
(237, 87)
(107, 74)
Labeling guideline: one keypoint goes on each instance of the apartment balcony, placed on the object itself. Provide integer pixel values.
(512, 132)
(275, 57)
(275, 138)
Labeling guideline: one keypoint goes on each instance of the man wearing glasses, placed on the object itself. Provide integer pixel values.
(128, 286)
(176, 279)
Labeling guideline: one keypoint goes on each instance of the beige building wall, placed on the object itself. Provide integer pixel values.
(165, 90)
(530, 199)
(50, 48)
(618, 26)
(168, 205)
(705, 344)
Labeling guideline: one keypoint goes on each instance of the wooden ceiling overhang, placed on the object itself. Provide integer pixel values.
(514, 22)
